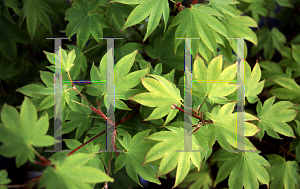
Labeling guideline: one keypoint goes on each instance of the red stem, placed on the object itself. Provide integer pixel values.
(175, 106)
(86, 142)
(124, 119)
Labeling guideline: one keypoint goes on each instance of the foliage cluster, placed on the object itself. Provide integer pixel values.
(149, 93)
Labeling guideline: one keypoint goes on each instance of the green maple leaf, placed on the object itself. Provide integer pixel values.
(260, 7)
(21, 131)
(35, 11)
(271, 71)
(4, 9)
(216, 91)
(84, 21)
(154, 8)
(163, 50)
(252, 87)
(231, 24)
(3, 179)
(135, 151)
(224, 128)
(79, 64)
(14, 4)
(170, 141)
(199, 22)
(272, 118)
(269, 41)
(118, 12)
(89, 148)
(198, 180)
(245, 169)
(70, 172)
(67, 60)
(257, 7)
(162, 95)
(45, 95)
(283, 174)
(290, 90)
(124, 82)
(227, 8)
(9, 35)
(201, 136)
(79, 119)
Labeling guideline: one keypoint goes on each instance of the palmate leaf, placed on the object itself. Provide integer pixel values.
(283, 174)
(237, 27)
(257, 7)
(272, 118)
(118, 12)
(270, 71)
(224, 127)
(225, 7)
(252, 87)
(154, 8)
(135, 151)
(35, 11)
(240, 29)
(201, 136)
(89, 148)
(163, 50)
(80, 62)
(21, 131)
(245, 169)
(212, 81)
(162, 95)
(71, 172)
(290, 89)
(269, 41)
(260, 7)
(199, 22)
(84, 22)
(9, 35)
(78, 119)
(124, 82)
(45, 95)
(170, 141)
(66, 59)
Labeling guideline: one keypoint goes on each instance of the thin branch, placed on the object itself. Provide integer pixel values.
(280, 147)
(77, 90)
(174, 106)
(94, 47)
(79, 103)
(24, 185)
(86, 142)
(199, 108)
(105, 184)
(124, 119)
